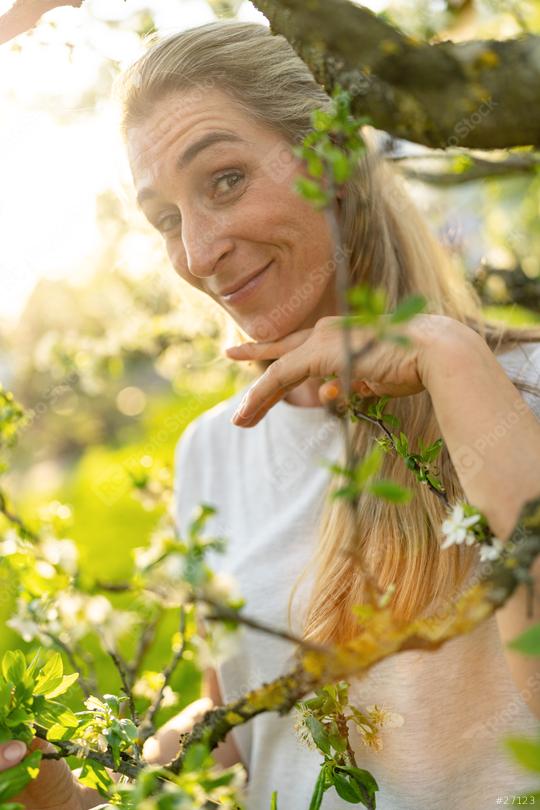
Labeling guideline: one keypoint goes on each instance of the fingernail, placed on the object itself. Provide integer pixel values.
(14, 751)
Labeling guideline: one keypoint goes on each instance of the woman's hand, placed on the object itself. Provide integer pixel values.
(384, 368)
(56, 786)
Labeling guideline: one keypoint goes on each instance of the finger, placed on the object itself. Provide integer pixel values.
(268, 350)
(11, 753)
(282, 376)
(332, 397)
(54, 785)
(164, 745)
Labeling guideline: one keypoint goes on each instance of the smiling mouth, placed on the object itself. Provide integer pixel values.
(247, 285)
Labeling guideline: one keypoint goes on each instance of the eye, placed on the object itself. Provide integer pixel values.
(227, 182)
(168, 223)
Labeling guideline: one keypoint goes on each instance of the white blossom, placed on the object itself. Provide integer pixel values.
(456, 528)
(491, 551)
(60, 552)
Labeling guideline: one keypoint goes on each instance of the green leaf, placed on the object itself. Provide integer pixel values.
(318, 791)
(346, 788)
(528, 642)
(403, 443)
(50, 676)
(13, 666)
(16, 778)
(311, 191)
(392, 420)
(195, 757)
(430, 453)
(95, 775)
(369, 465)
(315, 165)
(434, 481)
(53, 712)
(273, 801)
(318, 732)
(407, 308)
(63, 686)
(527, 752)
(364, 784)
(363, 777)
(390, 491)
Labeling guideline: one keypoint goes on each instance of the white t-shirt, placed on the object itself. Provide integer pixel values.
(268, 484)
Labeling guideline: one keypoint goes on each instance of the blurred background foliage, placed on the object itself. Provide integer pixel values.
(113, 355)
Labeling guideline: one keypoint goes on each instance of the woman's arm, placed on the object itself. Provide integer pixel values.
(226, 753)
(163, 746)
(494, 441)
(492, 435)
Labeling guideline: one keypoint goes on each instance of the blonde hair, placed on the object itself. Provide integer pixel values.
(390, 246)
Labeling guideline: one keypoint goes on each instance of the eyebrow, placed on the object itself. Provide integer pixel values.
(191, 153)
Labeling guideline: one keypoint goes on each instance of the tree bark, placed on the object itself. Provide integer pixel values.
(478, 94)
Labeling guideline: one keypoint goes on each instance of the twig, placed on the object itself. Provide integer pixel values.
(390, 436)
(121, 666)
(127, 766)
(16, 520)
(147, 726)
(223, 613)
(145, 641)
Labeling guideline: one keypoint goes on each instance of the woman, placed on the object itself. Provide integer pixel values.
(209, 117)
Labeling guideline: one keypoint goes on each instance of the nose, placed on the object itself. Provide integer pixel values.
(206, 238)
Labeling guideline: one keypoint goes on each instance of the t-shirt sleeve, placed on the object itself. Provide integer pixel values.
(523, 364)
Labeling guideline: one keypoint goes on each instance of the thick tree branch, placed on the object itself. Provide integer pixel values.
(381, 637)
(512, 287)
(478, 94)
(468, 168)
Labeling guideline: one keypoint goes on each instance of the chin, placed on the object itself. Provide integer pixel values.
(267, 328)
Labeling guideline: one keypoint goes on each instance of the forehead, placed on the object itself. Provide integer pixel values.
(178, 118)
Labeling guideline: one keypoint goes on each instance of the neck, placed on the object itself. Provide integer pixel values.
(306, 395)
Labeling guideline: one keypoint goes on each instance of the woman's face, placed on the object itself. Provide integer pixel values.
(218, 185)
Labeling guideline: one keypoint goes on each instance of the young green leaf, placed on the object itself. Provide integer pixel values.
(14, 779)
(390, 491)
(528, 642)
(407, 308)
(527, 752)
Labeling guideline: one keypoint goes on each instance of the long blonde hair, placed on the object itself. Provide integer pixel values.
(391, 247)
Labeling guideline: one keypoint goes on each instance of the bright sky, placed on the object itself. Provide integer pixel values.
(55, 155)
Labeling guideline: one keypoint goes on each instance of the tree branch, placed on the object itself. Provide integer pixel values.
(477, 94)
(380, 637)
